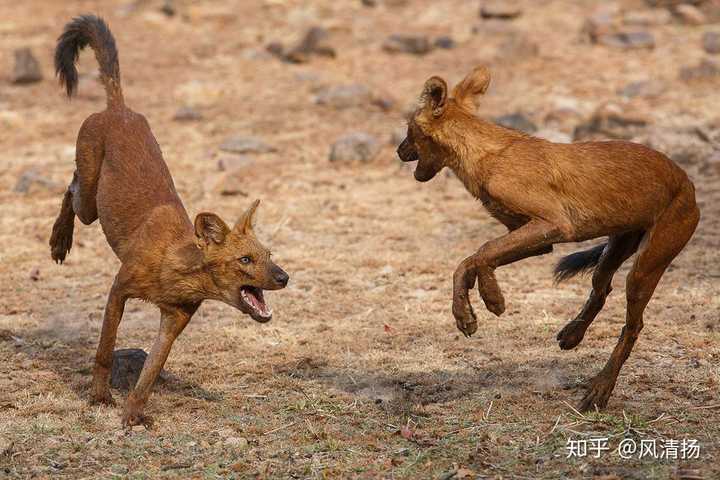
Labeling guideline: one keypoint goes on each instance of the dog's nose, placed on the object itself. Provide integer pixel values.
(281, 278)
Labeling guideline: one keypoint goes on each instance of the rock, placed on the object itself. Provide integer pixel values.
(35, 274)
(355, 147)
(628, 40)
(316, 41)
(647, 18)
(683, 145)
(369, 3)
(600, 22)
(32, 181)
(516, 121)
(444, 42)
(705, 70)
(689, 14)
(518, 47)
(138, 428)
(187, 114)
(27, 68)
(711, 166)
(711, 42)
(563, 118)
(609, 121)
(229, 163)
(500, 9)
(240, 144)
(413, 44)
(643, 89)
(553, 135)
(344, 96)
(236, 442)
(126, 367)
(168, 8)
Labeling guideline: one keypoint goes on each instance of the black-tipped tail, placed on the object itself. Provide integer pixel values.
(80, 32)
(578, 262)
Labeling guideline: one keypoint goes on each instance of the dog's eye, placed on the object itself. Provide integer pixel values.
(245, 260)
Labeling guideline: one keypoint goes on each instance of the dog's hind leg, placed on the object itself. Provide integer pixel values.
(662, 244)
(104, 356)
(532, 239)
(618, 249)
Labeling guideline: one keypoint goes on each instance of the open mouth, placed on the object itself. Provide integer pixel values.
(254, 300)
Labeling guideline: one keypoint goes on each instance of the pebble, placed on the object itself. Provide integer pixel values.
(126, 367)
(711, 42)
(240, 144)
(629, 40)
(412, 44)
(517, 121)
(610, 121)
(187, 114)
(706, 70)
(355, 147)
(444, 42)
(316, 41)
(647, 18)
(27, 68)
(236, 442)
(500, 9)
(643, 89)
(344, 96)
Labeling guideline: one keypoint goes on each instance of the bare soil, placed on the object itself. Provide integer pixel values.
(362, 372)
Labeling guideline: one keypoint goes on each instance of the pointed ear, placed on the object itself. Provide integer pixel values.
(434, 95)
(244, 226)
(210, 228)
(466, 93)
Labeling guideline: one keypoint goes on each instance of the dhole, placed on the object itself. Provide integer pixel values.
(122, 180)
(547, 193)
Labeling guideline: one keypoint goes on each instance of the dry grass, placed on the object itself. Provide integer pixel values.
(362, 372)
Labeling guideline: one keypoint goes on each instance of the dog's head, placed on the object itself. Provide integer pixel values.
(240, 267)
(437, 113)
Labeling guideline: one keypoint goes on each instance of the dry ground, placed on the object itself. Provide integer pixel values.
(363, 341)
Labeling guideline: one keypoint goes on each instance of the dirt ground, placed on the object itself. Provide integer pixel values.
(361, 373)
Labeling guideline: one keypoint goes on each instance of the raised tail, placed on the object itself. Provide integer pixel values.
(578, 262)
(80, 32)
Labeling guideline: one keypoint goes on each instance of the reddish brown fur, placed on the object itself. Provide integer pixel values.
(547, 193)
(122, 180)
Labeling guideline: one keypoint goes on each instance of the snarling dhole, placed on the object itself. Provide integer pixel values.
(122, 180)
(547, 193)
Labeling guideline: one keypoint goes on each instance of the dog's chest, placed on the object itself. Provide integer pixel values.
(499, 211)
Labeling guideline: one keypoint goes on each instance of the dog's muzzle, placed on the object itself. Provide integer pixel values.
(407, 152)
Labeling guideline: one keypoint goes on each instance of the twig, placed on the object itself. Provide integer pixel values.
(706, 407)
(574, 410)
(279, 428)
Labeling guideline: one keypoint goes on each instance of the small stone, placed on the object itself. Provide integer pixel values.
(369, 3)
(229, 163)
(240, 144)
(168, 8)
(126, 367)
(31, 181)
(314, 42)
(187, 114)
(563, 118)
(629, 40)
(344, 96)
(683, 145)
(138, 428)
(600, 22)
(516, 121)
(27, 68)
(413, 44)
(647, 18)
(500, 9)
(643, 89)
(690, 14)
(518, 47)
(35, 274)
(610, 121)
(355, 147)
(711, 42)
(236, 442)
(444, 42)
(705, 70)
(119, 469)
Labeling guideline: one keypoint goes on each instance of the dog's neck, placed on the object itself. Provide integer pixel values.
(471, 145)
(184, 276)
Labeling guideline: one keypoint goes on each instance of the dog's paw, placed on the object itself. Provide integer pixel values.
(103, 398)
(598, 393)
(132, 418)
(495, 304)
(571, 335)
(465, 317)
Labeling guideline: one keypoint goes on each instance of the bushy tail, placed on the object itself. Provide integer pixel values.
(80, 32)
(578, 262)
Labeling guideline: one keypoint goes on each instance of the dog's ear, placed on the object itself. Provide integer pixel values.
(434, 95)
(476, 83)
(210, 228)
(244, 226)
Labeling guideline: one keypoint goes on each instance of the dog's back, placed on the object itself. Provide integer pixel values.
(120, 164)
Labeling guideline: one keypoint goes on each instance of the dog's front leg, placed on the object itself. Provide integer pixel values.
(172, 322)
(104, 356)
(534, 238)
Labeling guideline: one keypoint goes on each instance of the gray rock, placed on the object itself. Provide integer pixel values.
(518, 47)
(236, 442)
(27, 68)
(444, 42)
(316, 41)
(32, 180)
(600, 23)
(644, 89)
(517, 121)
(610, 122)
(187, 114)
(229, 163)
(706, 70)
(344, 96)
(628, 40)
(355, 147)
(413, 44)
(126, 367)
(647, 18)
(684, 146)
(711, 42)
(500, 9)
(240, 144)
